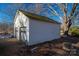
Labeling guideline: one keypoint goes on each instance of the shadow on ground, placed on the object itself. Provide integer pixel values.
(67, 46)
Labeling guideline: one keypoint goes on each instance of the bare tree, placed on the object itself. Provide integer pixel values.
(65, 18)
(4, 26)
(33, 8)
(38, 8)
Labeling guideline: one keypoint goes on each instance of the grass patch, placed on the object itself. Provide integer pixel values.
(74, 31)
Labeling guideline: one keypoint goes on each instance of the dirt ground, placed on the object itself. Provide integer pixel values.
(65, 46)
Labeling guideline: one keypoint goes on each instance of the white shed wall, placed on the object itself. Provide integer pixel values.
(43, 31)
(20, 21)
(37, 31)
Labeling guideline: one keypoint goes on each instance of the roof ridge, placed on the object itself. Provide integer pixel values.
(36, 16)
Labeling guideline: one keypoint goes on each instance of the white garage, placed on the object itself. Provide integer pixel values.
(33, 29)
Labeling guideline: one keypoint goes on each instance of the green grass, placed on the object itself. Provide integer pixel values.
(8, 40)
(74, 31)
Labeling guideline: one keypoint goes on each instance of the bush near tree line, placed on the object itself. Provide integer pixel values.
(74, 31)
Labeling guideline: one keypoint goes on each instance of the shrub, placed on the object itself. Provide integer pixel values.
(74, 31)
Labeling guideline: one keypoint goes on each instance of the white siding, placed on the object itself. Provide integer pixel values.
(43, 31)
(20, 21)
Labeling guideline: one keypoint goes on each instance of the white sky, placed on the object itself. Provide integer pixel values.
(39, 1)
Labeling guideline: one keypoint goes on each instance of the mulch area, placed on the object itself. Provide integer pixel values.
(50, 48)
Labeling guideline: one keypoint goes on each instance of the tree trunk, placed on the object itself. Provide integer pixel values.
(66, 25)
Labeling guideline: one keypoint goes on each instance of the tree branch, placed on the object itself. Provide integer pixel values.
(73, 9)
(54, 12)
(62, 7)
